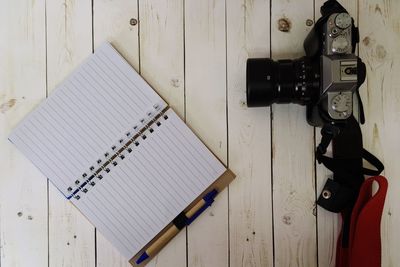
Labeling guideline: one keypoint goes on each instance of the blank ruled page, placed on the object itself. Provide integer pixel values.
(92, 139)
(151, 185)
(84, 117)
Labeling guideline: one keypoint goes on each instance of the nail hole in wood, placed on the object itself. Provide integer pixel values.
(309, 22)
(133, 22)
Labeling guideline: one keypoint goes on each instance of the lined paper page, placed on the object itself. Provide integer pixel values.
(91, 116)
(87, 114)
(150, 186)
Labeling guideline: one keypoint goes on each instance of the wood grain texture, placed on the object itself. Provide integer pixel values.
(292, 150)
(193, 53)
(69, 42)
(328, 223)
(23, 190)
(112, 23)
(205, 54)
(380, 37)
(161, 49)
(162, 66)
(250, 231)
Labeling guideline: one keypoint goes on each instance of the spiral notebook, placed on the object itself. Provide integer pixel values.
(115, 149)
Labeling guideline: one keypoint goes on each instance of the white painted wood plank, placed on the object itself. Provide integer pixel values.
(205, 67)
(379, 24)
(114, 21)
(23, 190)
(292, 150)
(161, 49)
(23, 52)
(251, 242)
(329, 224)
(69, 42)
(162, 66)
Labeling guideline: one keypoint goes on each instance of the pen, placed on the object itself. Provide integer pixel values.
(179, 223)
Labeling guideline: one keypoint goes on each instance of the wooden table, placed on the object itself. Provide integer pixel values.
(193, 53)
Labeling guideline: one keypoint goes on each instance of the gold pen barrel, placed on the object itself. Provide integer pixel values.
(171, 232)
(162, 241)
(189, 214)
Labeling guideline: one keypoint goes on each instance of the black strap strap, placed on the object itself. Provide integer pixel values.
(374, 162)
(361, 75)
(335, 197)
(360, 107)
(337, 166)
(328, 132)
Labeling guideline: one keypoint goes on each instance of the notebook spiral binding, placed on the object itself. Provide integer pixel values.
(117, 152)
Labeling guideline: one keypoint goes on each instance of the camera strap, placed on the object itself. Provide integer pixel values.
(364, 241)
(349, 194)
(346, 164)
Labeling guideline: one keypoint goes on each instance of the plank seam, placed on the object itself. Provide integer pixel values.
(95, 229)
(271, 145)
(315, 178)
(138, 25)
(184, 61)
(92, 3)
(227, 126)
(47, 91)
(184, 107)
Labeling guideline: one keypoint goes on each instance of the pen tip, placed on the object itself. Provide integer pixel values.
(142, 258)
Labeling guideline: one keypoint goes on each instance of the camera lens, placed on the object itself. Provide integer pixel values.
(260, 82)
(282, 81)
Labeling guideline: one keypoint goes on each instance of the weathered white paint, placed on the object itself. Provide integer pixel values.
(205, 59)
(23, 190)
(250, 209)
(380, 37)
(193, 53)
(161, 49)
(292, 150)
(69, 41)
(112, 23)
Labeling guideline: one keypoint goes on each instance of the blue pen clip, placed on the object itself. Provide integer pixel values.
(209, 199)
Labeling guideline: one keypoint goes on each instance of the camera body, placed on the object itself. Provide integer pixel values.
(324, 80)
(342, 72)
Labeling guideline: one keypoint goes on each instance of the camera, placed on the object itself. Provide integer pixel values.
(324, 80)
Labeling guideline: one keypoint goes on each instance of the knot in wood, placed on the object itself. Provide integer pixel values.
(284, 25)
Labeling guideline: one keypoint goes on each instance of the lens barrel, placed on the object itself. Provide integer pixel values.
(282, 81)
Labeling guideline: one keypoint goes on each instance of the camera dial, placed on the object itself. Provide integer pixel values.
(338, 34)
(343, 20)
(340, 104)
(340, 45)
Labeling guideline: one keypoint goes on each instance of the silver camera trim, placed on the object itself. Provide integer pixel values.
(339, 70)
(336, 35)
